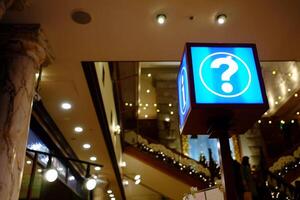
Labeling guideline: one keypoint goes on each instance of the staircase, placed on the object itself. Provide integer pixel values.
(162, 168)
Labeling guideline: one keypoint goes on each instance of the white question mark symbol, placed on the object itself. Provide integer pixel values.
(226, 75)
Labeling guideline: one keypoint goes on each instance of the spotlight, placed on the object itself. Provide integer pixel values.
(221, 19)
(51, 175)
(109, 191)
(161, 19)
(90, 183)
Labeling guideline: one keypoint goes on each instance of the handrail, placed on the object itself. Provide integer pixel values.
(175, 151)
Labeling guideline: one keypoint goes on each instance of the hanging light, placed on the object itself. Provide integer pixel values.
(50, 174)
(90, 183)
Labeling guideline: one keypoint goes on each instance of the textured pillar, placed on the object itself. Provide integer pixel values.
(22, 52)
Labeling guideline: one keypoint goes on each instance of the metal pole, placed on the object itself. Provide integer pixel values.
(32, 176)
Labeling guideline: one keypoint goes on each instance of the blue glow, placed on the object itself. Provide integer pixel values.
(210, 64)
(183, 93)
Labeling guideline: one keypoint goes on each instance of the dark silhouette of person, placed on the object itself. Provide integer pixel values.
(247, 178)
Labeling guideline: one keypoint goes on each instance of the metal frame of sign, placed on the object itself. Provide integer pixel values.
(200, 116)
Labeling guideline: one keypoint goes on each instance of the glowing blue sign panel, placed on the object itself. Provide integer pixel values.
(183, 92)
(225, 75)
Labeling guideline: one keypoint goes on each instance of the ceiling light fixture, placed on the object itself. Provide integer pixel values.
(148, 91)
(123, 164)
(90, 183)
(158, 110)
(221, 19)
(161, 19)
(274, 72)
(167, 119)
(259, 121)
(297, 113)
(28, 162)
(171, 112)
(66, 106)
(137, 181)
(109, 191)
(97, 168)
(50, 174)
(93, 158)
(86, 146)
(270, 122)
(111, 195)
(170, 105)
(78, 129)
(296, 95)
(155, 105)
(149, 75)
(292, 121)
(146, 116)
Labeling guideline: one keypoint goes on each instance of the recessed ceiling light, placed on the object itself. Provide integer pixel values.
(111, 195)
(66, 106)
(130, 105)
(148, 91)
(113, 198)
(167, 119)
(97, 168)
(274, 72)
(276, 102)
(158, 110)
(125, 182)
(296, 95)
(146, 105)
(28, 162)
(78, 129)
(161, 18)
(270, 122)
(123, 164)
(170, 105)
(289, 89)
(292, 121)
(149, 75)
(126, 104)
(279, 97)
(297, 113)
(86, 146)
(39, 170)
(144, 108)
(155, 105)
(146, 116)
(282, 121)
(171, 112)
(221, 19)
(259, 121)
(109, 191)
(93, 158)
(141, 104)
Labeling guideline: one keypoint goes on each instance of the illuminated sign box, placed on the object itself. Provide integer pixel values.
(219, 82)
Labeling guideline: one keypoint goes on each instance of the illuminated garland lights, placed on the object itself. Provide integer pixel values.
(189, 166)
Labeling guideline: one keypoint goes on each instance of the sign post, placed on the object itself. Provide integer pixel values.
(220, 93)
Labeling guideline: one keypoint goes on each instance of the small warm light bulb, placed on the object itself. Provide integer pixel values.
(282, 121)
(93, 158)
(292, 121)
(86, 146)
(126, 104)
(296, 95)
(109, 191)
(146, 116)
(270, 122)
(130, 105)
(97, 168)
(149, 75)
(221, 19)
(28, 162)
(111, 195)
(167, 119)
(259, 121)
(171, 112)
(157, 110)
(170, 105)
(78, 129)
(148, 91)
(136, 177)
(137, 181)
(297, 113)
(146, 105)
(274, 72)
(161, 18)
(155, 105)
(289, 89)
(276, 102)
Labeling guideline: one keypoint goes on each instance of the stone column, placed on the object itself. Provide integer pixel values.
(22, 52)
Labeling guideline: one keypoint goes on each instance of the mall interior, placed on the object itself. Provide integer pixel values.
(89, 101)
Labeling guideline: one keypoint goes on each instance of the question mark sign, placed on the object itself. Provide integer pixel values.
(226, 75)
